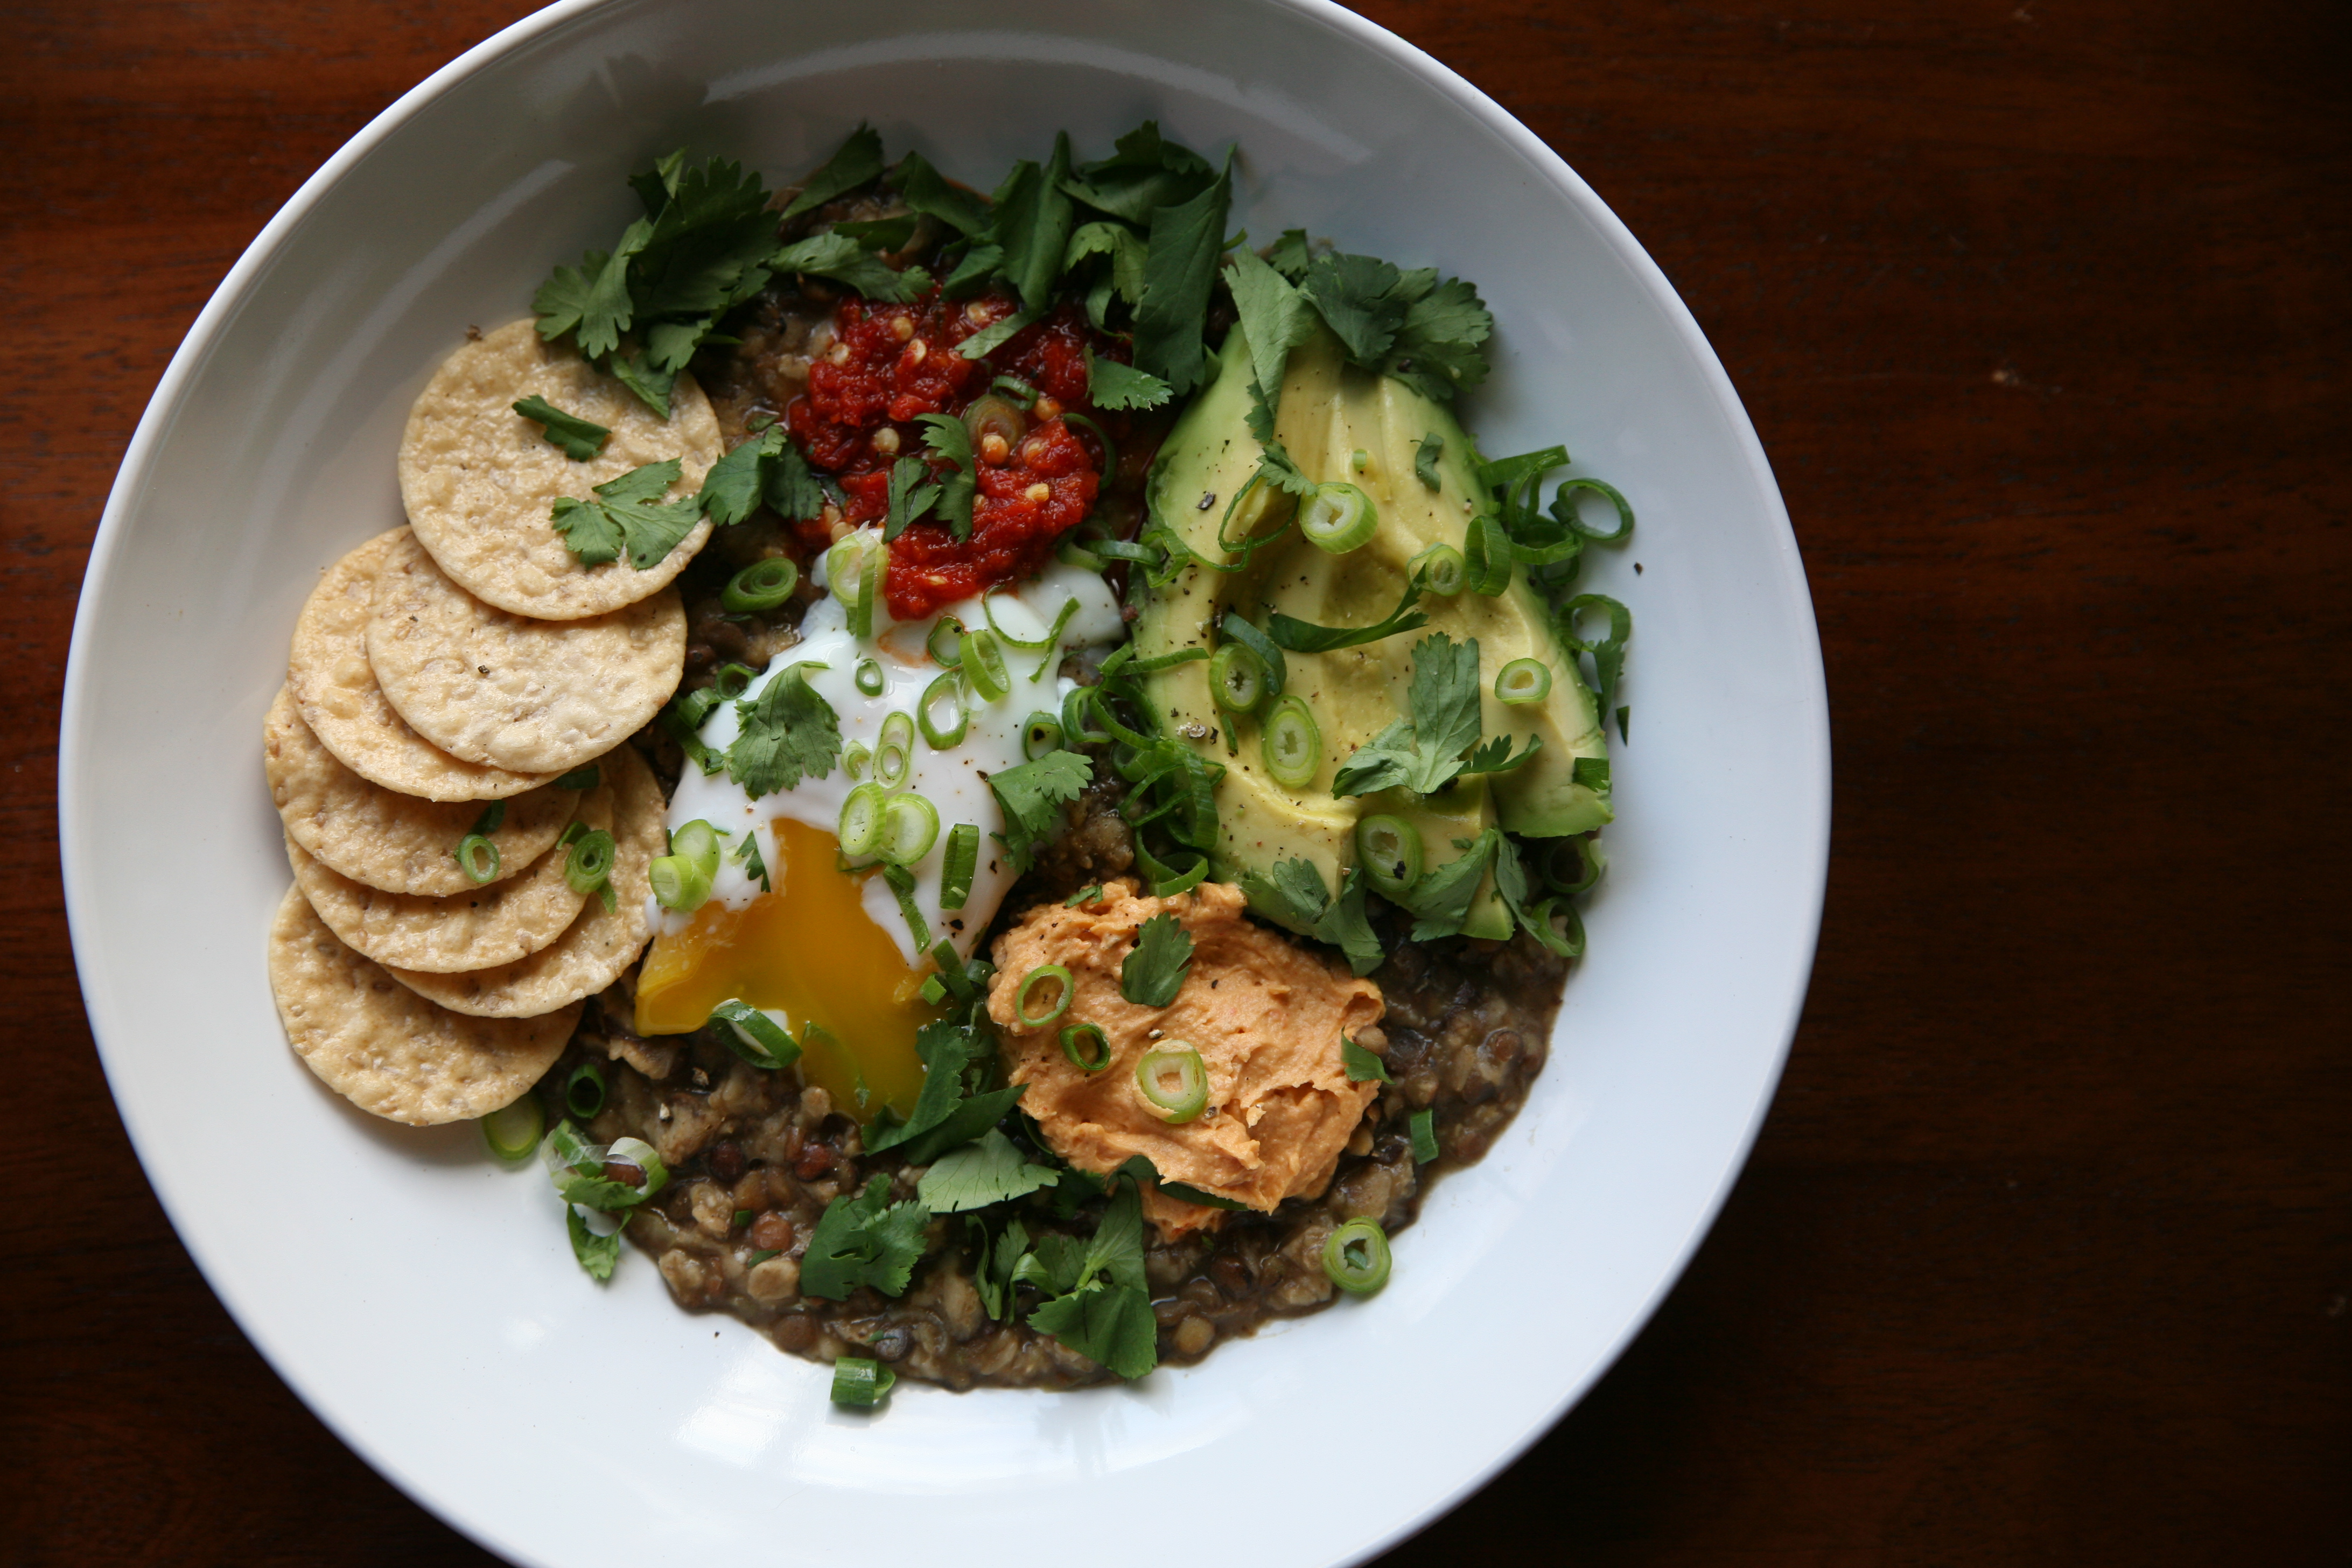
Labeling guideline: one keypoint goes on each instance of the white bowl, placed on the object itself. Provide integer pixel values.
(425, 1303)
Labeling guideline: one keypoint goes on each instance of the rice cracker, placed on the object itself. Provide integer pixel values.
(336, 693)
(388, 1050)
(600, 943)
(512, 693)
(398, 843)
(480, 481)
(477, 929)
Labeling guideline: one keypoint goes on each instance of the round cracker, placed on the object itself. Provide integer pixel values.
(335, 691)
(480, 481)
(397, 843)
(477, 929)
(388, 1050)
(600, 943)
(490, 686)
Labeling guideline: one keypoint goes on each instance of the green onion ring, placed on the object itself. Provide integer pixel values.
(512, 1132)
(1269, 653)
(1019, 389)
(1190, 1097)
(962, 861)
(1572, 865)
(680, 882)
(1441, 570)
(1389, 849)
(1029, 982)
(988, 612)
(1565, 513)
(1487, 555)
(1424, 1127)
(1110, 450)
(1523, 680)
(753, 1035)
(1356, 1257)
(983, 660)
(1237, 679)
(911, 826)
(861, 1382)
(869, 678)
(1293, 743)
(1567, 941)
(894, 753)
(1075, 730)
(494, 815)
(939, 736)
(591, 862)
(732, 680)
(584, 1092)
(1339, 518)
(1070, 552)
(1086, 1046)
(699, 842)
(944, 643)
(762, 585)
(1041, 732)
(854, 757)
(478, 857)
(860, 828)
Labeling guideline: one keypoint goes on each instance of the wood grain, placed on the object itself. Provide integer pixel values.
(2041, 311)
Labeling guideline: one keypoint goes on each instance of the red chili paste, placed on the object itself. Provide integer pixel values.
(889, 364)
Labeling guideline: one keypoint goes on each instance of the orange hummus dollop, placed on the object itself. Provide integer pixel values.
(1266, 1013)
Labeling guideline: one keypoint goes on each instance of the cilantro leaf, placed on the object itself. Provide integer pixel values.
(1438, 349)
(1306, 636)
(596, 1254)
(980, 263)
(1110, 385)
(1493, 756)
(951, 442)
(1275, 319)
(864, 1240)
(788, 732)
(628, 516)
(1146, 172)
(579, 439)
(592, 304)
(910, 495)
(1360, 1065)
(1113, 1324)
(995, 1263)
(1154, 969)
(1275, 461)
(857, 160)
(658, 185)
(956, 1058)
(791, 491)
(1424, 752)
(1511, 882)
(733, 486)
(846, 262)
(1031, 225)
(1362, 299)
(1180, 272)
(1441, 900)
(1033, 796)
(988, 1172)
(988, 340)
(651, 384)
(1291, 891)
(925, 190)
(1291, 254)
(1123, 246)
(1424, 459)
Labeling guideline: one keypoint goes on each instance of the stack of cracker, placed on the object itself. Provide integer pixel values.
(466, 658)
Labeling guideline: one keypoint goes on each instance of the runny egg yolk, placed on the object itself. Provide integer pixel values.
(811, 952)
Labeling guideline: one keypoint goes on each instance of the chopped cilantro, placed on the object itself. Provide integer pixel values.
(597, 1253)
(1031, 224)
(925, 190)
(1306, 636)
(846, 262)
(735, 483)
(1425, 752)
(1291, 254)
(980, 264)
(1275, 319)
(1153, 971)
(1346, 926)
(994, 1264)
(1128, 255)
(592, 304)
(1424, 459)
(579, 439)
(1090, 893)
(989, 339)
(628, 515)
(1408, 324)
(1360, 1065)
(788, 486)
(1099, 1304)
(1033, 796)
(1180, 271)
(1110, 385)
(1511, 882)
(1145, 173)
(1441, 900)
(788, 732)
(1275, 464)
(951, 1108)
(863, 1239)
(857, 161)
(949, 442)
(991, 1170)
(911, 495)
(1291, 891)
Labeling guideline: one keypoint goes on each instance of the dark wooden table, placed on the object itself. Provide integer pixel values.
(2042, 311)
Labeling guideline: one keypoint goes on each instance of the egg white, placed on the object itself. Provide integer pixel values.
(954, 780)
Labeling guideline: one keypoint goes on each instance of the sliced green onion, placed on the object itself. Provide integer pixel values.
(1339, 518)
(963, 862)
(869, 678)
(1237, 679)
(1389, 849)
(1174, 1081)
(894, 755)
(945, 642)
(591, 862)
(942, 736)
(698, 841)
(1441, 570)
(992, 414)
(1111, 452)
(1572, 865)
(1040, 733)
(1043, 974)
(494, 815)
(1523, 680)
(1269, 653)
(732, 680)
(1070, 552)
(861, 1383)
(1424, 1127)
(983, 660)
(854, 757)
(512, 1132)
(1592, 772)
(1086, 1046)
(934, 991)
(854, 563)
(753, 1035)
(762, 585)
(1566, 939)
(478, 857)
(911, 826)
(1487, 555)
(1019, 391)
(1293, 743)
(860, 830)
(680, 882)
(1565, 511)
(1359, 459)
(1356, 1257)
(1074, 730)
(584, 1092)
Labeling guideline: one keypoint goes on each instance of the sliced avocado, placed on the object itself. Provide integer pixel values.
(1329, 412)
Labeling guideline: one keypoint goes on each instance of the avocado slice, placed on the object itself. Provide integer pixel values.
(1330, 410)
